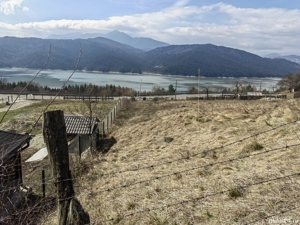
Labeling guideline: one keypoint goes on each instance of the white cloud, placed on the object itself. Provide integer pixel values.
(25, 9)
(8, 7)
(254, 30)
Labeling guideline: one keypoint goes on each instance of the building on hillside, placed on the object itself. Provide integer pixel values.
(11, 144)
(82, 132)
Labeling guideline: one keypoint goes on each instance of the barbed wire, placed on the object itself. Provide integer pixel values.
(196, 168)
(46, 62)
(292, 221)
(199, 153)
(20, 212)
(178, 203)
(197, 199)
(179, 172)
(64, 84)
(6, 112)
(78, 61)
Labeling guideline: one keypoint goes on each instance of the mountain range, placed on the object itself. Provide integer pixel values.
(106, 55)
(142, 43)
(292, 58)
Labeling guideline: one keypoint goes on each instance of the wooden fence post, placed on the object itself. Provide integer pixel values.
(107, 122)
(54, 131)
(43, 183)
(103, 129)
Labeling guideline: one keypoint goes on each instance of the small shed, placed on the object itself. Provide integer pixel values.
(11, 144)
(81, 133)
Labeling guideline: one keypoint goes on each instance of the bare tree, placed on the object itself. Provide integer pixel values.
(290, 82)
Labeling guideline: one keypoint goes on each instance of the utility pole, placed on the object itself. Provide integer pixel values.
(260, 86)
(140, 88)
(199, 82)
(69, 208)
(175, 89)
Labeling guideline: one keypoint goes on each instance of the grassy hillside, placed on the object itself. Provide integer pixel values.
(195, 162)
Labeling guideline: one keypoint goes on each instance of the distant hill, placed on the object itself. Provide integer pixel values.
(142, 43)
(103, 54)
(215, 61)
(99, 54)
(292, 58)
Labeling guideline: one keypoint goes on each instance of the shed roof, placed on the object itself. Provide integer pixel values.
(80, 124)
(12, 142)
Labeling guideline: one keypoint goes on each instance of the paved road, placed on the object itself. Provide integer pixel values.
(11, 97)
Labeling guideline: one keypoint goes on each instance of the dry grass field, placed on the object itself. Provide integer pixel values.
(195, 162)
(190, 162)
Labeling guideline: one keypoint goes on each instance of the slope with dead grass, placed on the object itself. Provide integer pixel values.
(195, 162)
(189, 162)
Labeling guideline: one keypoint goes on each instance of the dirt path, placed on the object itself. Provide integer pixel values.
(17, 105)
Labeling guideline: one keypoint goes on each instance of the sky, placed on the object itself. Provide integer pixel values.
(258, 26)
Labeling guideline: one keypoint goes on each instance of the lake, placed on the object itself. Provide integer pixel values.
(145, 82)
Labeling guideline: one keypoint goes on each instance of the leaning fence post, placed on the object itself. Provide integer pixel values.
(70, 210)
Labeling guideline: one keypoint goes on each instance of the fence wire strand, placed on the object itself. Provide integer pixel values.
(64, 84)
(46, 62)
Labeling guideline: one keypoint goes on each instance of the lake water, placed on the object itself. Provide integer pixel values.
(145, 82)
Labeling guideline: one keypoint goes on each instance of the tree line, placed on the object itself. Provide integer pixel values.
(83, 89)
(289, 82)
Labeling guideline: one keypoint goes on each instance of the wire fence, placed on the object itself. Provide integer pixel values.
(135, 183)
(112, 115)
(186, 201)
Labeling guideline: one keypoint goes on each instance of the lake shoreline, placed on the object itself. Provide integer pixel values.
(144, 73)
(139, 82)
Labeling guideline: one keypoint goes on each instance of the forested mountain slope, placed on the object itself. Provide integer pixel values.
(102, 54)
